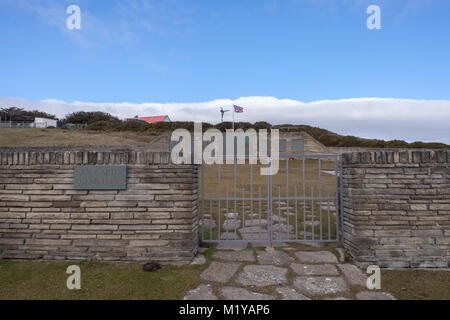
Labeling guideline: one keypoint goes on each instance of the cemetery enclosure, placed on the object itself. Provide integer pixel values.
(296, 204)
(395, 206)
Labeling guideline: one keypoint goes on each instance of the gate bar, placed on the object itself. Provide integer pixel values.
(203, 201)
(320, 201)
(341, 177)
(312, 212)
(218, 194)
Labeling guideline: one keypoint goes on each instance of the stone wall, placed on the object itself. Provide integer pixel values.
(342, 150)
(397, 208)
(312, 146)
(43, 217)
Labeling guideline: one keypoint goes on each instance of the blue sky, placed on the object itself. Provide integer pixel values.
(190, 51)
(197, 50)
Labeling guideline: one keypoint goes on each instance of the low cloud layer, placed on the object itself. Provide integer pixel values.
(410, 120)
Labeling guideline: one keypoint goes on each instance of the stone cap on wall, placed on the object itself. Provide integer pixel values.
(25, 156)
(391, 157)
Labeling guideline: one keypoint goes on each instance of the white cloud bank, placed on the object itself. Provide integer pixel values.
(410, 120)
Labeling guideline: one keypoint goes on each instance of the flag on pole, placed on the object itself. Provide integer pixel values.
(238, 109)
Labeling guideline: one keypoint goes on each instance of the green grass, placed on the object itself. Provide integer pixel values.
(99, 280)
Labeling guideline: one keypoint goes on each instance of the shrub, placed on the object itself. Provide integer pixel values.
(135, 126)
(19, 114)
(82, 117)
(262, 125)
(99, 126)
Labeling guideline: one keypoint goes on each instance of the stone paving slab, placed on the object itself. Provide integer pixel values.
(202, 292)
(253, 229)
(314, 269)
(207, 223)
(274, 257)
(341, 254)
(307, 235)
(316, 257)
(231, 225)
(231, 215)
(229, 236)
(260, 276)
(268, 244)
(283, 228)
(313, 244)
(282, 235)
(374, 295)
(286, 208)
(320, 285)
(256, 236)
(289, 293)
(255, 222)
(244, 255)
(277, 219)
(220, 271)
(199, 260)
(355, 276)
(234, 293)
(316, 223)
(318, 274)
(232, 245)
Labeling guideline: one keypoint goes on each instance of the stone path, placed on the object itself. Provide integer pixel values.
(241, 271)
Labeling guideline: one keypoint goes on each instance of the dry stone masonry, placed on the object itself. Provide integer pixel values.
(396, 211)
(397, 208)
(43, 217)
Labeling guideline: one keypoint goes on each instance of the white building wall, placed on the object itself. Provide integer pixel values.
(45, 123)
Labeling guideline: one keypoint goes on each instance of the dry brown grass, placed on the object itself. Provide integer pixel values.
(278, 181)
(417, 284)
(80, 138)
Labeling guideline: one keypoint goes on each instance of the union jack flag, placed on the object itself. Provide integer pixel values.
(238, 109)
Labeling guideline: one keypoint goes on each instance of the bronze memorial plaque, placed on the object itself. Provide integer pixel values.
(100, 177)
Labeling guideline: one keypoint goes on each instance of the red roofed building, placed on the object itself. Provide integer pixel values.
(151, 119)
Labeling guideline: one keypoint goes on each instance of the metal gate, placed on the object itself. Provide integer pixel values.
(301, 203)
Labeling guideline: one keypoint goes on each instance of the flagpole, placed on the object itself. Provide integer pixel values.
(234, 164)
(233, 119)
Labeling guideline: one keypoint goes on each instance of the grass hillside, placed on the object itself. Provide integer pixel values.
(136, 133)
(79, 138)
(331, 139)
(326, 137)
